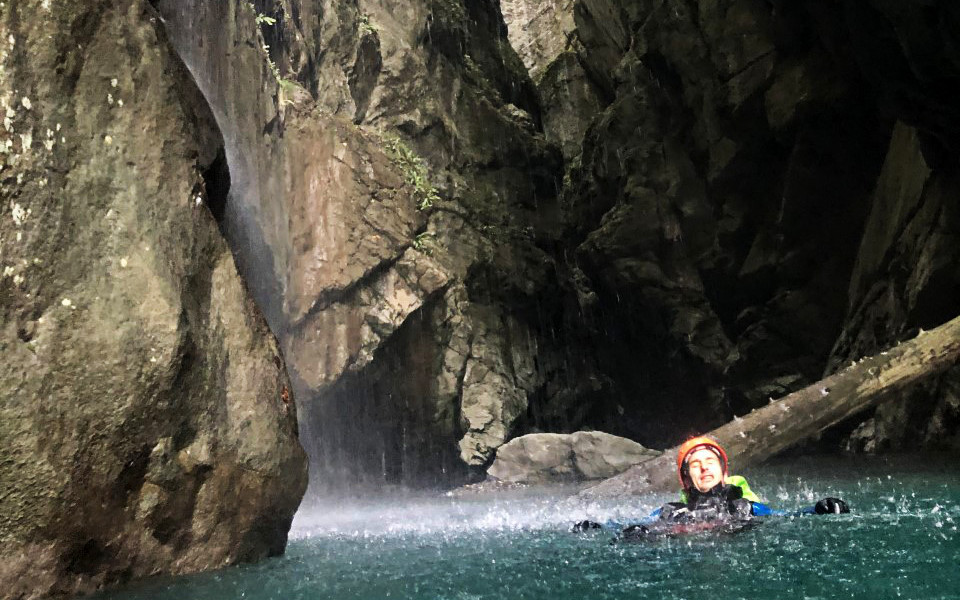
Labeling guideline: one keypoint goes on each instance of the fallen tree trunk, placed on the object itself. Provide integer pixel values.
(802, 414)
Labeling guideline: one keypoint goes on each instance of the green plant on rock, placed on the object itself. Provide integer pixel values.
(421, 241)
(414, 171)
(262, 19)
(258, 17)
(364, 26)
(273, 66)
(288, 90)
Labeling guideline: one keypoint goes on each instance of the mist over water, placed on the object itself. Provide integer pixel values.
(449, 515)
(901, 540)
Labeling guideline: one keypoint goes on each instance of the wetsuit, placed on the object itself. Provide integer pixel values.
(736, 493)
(732, 500)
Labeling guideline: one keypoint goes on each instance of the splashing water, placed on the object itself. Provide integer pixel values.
(901, 540)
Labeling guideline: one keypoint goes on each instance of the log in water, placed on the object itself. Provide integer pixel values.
(802, 414)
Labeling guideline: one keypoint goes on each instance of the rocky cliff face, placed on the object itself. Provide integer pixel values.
(392, 164)
(760, 199)
(464, 221)
(147, 422)
(635, 221)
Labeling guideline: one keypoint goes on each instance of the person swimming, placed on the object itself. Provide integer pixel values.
(710, 497)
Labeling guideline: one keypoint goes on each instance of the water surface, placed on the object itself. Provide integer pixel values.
(900, 541)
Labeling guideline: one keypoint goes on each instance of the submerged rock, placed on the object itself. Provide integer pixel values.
(554, 457)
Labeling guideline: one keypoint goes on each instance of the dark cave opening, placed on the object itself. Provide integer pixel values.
(216, 181)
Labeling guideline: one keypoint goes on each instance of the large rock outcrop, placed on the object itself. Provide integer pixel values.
(447, 377)
(546, 37)
(401, 193)
(716, 168)
(147, 422)
(906, 279)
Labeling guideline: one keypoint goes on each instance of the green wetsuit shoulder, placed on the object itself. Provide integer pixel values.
(737, 480)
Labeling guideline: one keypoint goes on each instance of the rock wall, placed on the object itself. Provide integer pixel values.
(650, 217)
(906, 279)
(392, 164)
(147, 423)
(546, 37)
(446, 364)
(761, 198)
(636, 222)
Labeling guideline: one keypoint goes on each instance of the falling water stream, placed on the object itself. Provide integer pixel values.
(901, 540)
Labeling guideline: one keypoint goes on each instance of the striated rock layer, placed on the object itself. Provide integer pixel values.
(146, 422)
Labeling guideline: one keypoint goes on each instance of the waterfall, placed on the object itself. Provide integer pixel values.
(230, 76)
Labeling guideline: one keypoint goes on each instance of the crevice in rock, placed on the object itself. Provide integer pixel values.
(458, 428)
(134, 472)
(747, 66)
(272, 31)
(85, 558)
(365, 74)
(216, 182)
(340, 294)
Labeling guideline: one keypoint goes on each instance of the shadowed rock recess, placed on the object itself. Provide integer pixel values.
(465, 221)
(769, 193)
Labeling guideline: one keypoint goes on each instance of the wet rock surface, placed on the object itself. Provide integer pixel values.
(147, 421)
(546, 38)
(463, 226)
(416, 183)
(732, 218)
(553, 458)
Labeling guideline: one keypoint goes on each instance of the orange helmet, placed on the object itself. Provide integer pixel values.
(696, 443)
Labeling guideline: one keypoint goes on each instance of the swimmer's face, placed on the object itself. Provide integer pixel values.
(705, 469)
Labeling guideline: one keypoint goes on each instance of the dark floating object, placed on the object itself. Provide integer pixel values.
(659, 530)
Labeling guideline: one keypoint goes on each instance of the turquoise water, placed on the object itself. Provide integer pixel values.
(900, 541)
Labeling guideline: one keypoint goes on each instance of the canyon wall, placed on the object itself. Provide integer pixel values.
(463, 221)
(768, 192)
(393, 166)
(146, 416)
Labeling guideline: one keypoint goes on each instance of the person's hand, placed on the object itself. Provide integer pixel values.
(828, 506)
(585, 526)
(635, 531)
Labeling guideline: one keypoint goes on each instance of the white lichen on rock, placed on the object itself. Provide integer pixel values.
(18, 213)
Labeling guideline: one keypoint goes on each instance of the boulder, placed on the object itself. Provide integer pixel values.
(146, 420)
(556, 457)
